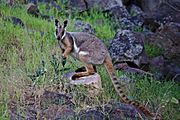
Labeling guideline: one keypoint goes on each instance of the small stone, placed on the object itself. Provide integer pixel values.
(80, 26)
(33, 9)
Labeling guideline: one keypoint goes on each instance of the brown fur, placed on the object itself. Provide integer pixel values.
(97, 54)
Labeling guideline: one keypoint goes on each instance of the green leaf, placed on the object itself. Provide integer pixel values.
(174, 100)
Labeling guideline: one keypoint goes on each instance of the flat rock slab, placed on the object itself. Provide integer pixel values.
(92, 83)
(91, 80)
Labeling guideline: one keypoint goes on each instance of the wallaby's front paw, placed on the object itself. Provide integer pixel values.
(63, 61)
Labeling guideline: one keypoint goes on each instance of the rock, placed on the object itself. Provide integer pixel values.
(127, 46)
(49, 98)
(114, 7)
(104, 4)
(172, 70)
(167, 38)
(41, 1)
(164, 13)
(79, 5)
(130, 21)
(33, 10)
(55, 5)
(91, 114)
(10, 2)
(127, 69)
(33, 1)
(112, 111)
(82, 5)
(150, 5)
(158, 62)
(135, 10)
(126, 2)
(157, 66)
(120, 111)
(83, 27)
(126, 24)
(46, 17)
(49, 105)
(57, 112)
(117, 13)
(164, 69)
(92, 82)
(133, 23)
(15, 21)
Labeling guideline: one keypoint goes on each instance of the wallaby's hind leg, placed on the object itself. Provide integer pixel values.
(89, 68)
(89, 71)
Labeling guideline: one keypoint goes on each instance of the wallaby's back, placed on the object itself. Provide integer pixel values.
(95, 48)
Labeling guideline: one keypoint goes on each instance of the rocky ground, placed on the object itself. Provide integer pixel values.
(138, 23)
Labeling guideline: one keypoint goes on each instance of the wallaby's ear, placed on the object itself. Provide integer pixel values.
(65, 23)
(56, 23)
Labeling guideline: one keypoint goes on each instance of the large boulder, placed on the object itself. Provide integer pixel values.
(164, 13)
(83, 5)
(150, 5)
(127, 46)
(168, 39)
(114, 7)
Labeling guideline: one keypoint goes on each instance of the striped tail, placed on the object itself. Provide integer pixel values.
(109, 67)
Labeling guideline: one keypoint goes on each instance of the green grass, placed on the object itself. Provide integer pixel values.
(153, 50)
(22, 51)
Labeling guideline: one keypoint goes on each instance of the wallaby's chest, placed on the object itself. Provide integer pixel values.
(62, 45)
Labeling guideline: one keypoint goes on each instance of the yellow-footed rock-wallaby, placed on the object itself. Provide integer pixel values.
(90, 51)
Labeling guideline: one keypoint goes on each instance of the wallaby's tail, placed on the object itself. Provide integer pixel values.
(109, 67)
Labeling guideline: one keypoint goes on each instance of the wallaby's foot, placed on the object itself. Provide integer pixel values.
(81, 69)
(82, 74)
(74, 77)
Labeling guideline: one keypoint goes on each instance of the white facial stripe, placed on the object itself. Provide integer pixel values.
(83, 53)
(64, 33)
(76, 49)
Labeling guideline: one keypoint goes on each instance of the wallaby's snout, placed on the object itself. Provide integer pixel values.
(60, 31)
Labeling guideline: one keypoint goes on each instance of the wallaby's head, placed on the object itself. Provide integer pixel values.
(60, 30)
